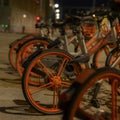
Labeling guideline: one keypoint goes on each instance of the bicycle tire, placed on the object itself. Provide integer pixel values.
(27, 49)
(56, 74)
(14, 46)
(79, 106)
(113, 56)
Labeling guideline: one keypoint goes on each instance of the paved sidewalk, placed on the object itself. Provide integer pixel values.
(12, 102)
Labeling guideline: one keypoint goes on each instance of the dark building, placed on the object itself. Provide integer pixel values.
(21, 14)
(5, 11)
(16, 15)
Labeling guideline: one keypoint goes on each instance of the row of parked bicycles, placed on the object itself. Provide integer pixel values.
(77, 73)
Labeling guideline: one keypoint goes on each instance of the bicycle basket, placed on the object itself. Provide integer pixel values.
(89, 28)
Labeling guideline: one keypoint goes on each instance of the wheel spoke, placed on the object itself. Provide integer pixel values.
(41, 87)
(65, 84)
(62, 66)
(45, 69)
(55, 97)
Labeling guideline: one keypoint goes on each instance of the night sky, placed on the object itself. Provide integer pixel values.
(82, 2)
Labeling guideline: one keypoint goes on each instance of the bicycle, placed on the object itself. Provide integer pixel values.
(46, 76)
(48, 71)
(76, 101)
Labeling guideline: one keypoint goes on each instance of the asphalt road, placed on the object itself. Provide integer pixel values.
(12, 103)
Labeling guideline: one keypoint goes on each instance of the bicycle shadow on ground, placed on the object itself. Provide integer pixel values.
(9, 75)
(11, 80)
(6, 67)
(21, 108)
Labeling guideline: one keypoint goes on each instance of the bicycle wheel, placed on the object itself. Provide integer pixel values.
(27, 49)
(14, 46)
(53, 75)
(100, 56)
(81, 103)
(113, 58)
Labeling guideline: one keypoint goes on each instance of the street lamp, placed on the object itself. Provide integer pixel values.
(23, 27)
(24, 15)
(57, 16)
(56, 5)
(57, 11)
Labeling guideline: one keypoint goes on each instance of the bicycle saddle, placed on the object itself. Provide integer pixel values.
(81, 58)
(58, 24)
